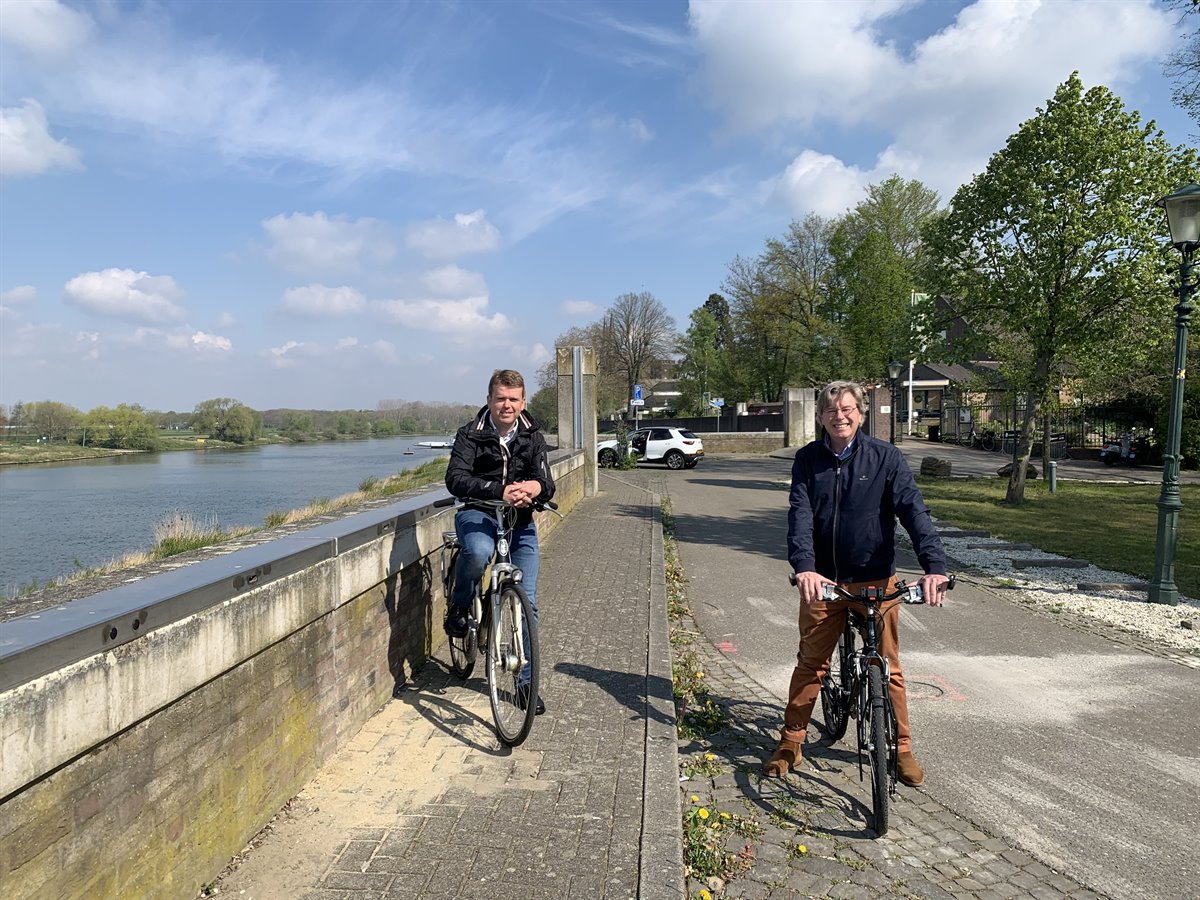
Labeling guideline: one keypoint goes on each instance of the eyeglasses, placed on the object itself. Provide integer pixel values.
(840, 411)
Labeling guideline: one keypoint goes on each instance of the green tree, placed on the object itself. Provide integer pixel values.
(698, 360)
(226, 419)
(384, 428)
(1056, 251)
(242, 425)
(52, 420)
(875, 291)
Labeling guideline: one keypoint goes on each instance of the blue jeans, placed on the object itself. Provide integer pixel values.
(476, 531)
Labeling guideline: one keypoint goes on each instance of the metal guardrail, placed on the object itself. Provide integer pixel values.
(49, 639)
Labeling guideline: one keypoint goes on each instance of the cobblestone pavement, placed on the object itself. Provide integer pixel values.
(808, 831)
(425, 802)
(807, 835)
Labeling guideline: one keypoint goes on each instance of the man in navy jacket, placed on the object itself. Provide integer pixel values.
(848, 490)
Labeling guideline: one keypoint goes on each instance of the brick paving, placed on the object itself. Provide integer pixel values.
(426, 803)
(591, 804)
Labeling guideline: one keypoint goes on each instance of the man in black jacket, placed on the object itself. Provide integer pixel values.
(499, 455)
(847, 491)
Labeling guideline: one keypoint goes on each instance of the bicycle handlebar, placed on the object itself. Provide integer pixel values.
(906, 593)
(494, 504)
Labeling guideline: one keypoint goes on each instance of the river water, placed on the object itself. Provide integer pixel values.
(56, 514)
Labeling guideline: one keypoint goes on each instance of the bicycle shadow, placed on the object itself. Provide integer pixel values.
(814, 799)
(431, 692)
(631, 690)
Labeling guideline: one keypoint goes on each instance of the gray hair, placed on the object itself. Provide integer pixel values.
(829, 395)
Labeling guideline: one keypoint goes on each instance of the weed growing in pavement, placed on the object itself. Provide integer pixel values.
(702, 764)
(702, 720)
(797, 851)
(706, 829)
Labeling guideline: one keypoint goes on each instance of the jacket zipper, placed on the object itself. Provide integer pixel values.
(837, 506)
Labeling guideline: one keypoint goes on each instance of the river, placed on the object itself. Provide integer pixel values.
(55, 515)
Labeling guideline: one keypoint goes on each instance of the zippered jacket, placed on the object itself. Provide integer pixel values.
(480, 466)
(842, 514)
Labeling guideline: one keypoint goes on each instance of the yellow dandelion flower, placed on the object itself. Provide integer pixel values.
(708, 757)
(695, 799)
(802, 848)
(703, 813)
(725, 815)
(699, 674)
(705, 895)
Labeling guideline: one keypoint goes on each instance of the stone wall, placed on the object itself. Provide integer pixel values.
(742, 441)
(142, 770)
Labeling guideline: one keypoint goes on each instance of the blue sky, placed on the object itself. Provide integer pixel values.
(326, 205)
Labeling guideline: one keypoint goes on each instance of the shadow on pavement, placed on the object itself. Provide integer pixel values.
(627, 688)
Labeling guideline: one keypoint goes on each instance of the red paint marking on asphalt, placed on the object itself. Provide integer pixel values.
(726, 647)
(942, 689)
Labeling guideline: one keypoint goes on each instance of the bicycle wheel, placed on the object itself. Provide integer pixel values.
(513, 646)
(835, 688)
(877, 751)
(988, 441)
(465, 649)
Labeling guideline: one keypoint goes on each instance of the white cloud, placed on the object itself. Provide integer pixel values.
(21, 295)
(26, 146)
(43, 27)
(466, 320)
(444, 239)
(204, 342)
(317, 300)
(942, 106)
(820, 183)
(317, 243)
(579, 308)
(348, 353)
(452, 281)
(126, 294)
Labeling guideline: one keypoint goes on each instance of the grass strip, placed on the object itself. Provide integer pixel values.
(1113, 526)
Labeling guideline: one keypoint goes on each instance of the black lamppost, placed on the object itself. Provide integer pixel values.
(1183, 218)
(893, 376)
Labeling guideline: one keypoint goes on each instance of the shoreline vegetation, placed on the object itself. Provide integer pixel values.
(179, 532)
(23, 454)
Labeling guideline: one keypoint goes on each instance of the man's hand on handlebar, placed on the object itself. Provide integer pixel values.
(810, 586)
(934, 588)
(522, 493)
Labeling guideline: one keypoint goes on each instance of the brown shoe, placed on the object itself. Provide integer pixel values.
(784, 759)
(908, 770)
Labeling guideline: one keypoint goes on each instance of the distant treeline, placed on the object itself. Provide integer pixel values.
(130, 427)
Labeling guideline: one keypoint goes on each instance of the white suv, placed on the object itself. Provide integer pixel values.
(677, 447)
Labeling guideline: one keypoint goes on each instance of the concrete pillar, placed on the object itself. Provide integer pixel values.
(577, 385)
(799, 416)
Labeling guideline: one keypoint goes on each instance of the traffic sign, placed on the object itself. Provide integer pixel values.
(637, 401)
(637, 393)
(716, 402)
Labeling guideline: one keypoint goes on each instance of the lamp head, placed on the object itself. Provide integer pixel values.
(894, 370)
(1183, 216)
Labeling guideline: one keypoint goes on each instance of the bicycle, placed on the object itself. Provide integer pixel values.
(501, 619)
(855, 686)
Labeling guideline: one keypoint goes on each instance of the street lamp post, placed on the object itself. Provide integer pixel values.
(893, 376)
(1183, 218)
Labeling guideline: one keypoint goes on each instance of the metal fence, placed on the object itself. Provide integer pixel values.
(727, 422)
(994, 426)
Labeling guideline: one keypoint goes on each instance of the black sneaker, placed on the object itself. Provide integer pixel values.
(523, 700)
(456, 624)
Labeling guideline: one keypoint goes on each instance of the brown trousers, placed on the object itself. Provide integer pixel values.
(821, 624)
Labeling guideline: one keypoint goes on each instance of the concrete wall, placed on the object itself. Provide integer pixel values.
(742, 442)
(142, 769)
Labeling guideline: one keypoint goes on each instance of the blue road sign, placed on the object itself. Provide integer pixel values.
(637, 392)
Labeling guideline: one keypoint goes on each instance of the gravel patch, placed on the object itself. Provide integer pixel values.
(1057, 590)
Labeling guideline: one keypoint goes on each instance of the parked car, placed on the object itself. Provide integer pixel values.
(677, 447)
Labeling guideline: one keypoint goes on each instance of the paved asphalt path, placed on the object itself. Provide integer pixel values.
(1069, 742)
